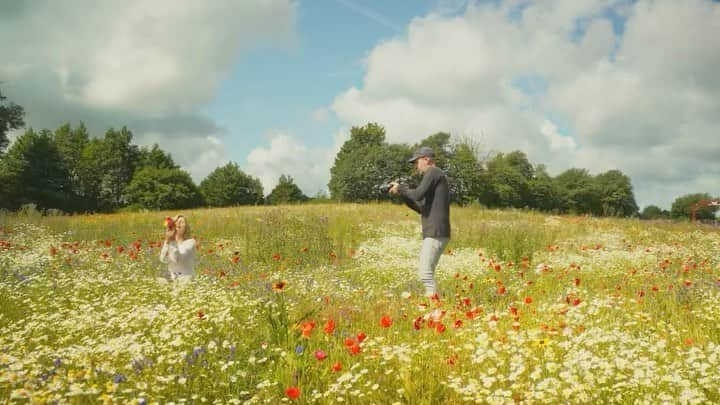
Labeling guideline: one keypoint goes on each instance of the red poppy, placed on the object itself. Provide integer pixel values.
(354, 349)
(577, 282)
(201, 315)
(293, 392)
(307, 328)
(501, 290)
(235, 259)
(329, 326)
(336, 367)
(385, 321)
(418, 323)
(528, 300)
(361, 336)
(458, 323)
(349, 342)
(440, 327)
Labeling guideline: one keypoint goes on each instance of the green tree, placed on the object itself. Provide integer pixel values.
(544, 192)
(162, 189)
(228, 185)
(364, 163)
(11, 117)
(285, 192)
(465, 173)
(35, 174)
(156, 157)
(616, 195)
(507, 178)
(8, 186)
(578, 193)
(654, 212)
(682, 207)
(70, 144)
(119, 158)
(90, 176)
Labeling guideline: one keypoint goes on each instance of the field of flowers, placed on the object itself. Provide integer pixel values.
(321, 304)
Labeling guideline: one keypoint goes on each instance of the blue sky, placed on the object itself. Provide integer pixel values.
(272, 89)
(276, 85)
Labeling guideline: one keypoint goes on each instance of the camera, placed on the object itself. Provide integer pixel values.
(385, 188)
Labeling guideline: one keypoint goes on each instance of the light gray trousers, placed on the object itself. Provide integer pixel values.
(430, 253)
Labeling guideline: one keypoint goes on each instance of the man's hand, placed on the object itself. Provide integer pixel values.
(393, 188)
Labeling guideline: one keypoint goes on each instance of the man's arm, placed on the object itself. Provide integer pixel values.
(415, 205)
(418, 194)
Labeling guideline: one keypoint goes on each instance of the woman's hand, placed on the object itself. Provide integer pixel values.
(169, 235)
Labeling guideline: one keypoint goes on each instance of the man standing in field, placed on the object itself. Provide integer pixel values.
(431, 199)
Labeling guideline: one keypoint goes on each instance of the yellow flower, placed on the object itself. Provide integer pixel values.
(540, 343)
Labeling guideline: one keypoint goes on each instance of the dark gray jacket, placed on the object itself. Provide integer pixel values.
(431, 199)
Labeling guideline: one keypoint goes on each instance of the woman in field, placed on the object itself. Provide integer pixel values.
(178, 251)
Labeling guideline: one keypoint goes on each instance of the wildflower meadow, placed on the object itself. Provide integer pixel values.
(321, 304)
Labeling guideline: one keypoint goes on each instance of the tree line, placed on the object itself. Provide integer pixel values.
(69, 170)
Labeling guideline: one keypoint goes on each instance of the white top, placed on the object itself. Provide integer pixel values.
(180, 258)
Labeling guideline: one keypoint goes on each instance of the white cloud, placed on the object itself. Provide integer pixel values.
(309, 167)
(199, 154)
(147, 65)
(645, 101)
(556, 140)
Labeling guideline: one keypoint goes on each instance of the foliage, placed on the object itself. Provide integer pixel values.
(465, 174)
(228, 185)
(616, 196)
(682, 207)
(34, 173)
(286, 191)
(364, 163)
(162, 189)
(654, 212)
(507, 178)
(116, 163)
(156, 157)
(11, 117)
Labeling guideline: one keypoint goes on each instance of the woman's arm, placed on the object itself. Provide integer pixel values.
(169, 253)
(164, 252)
